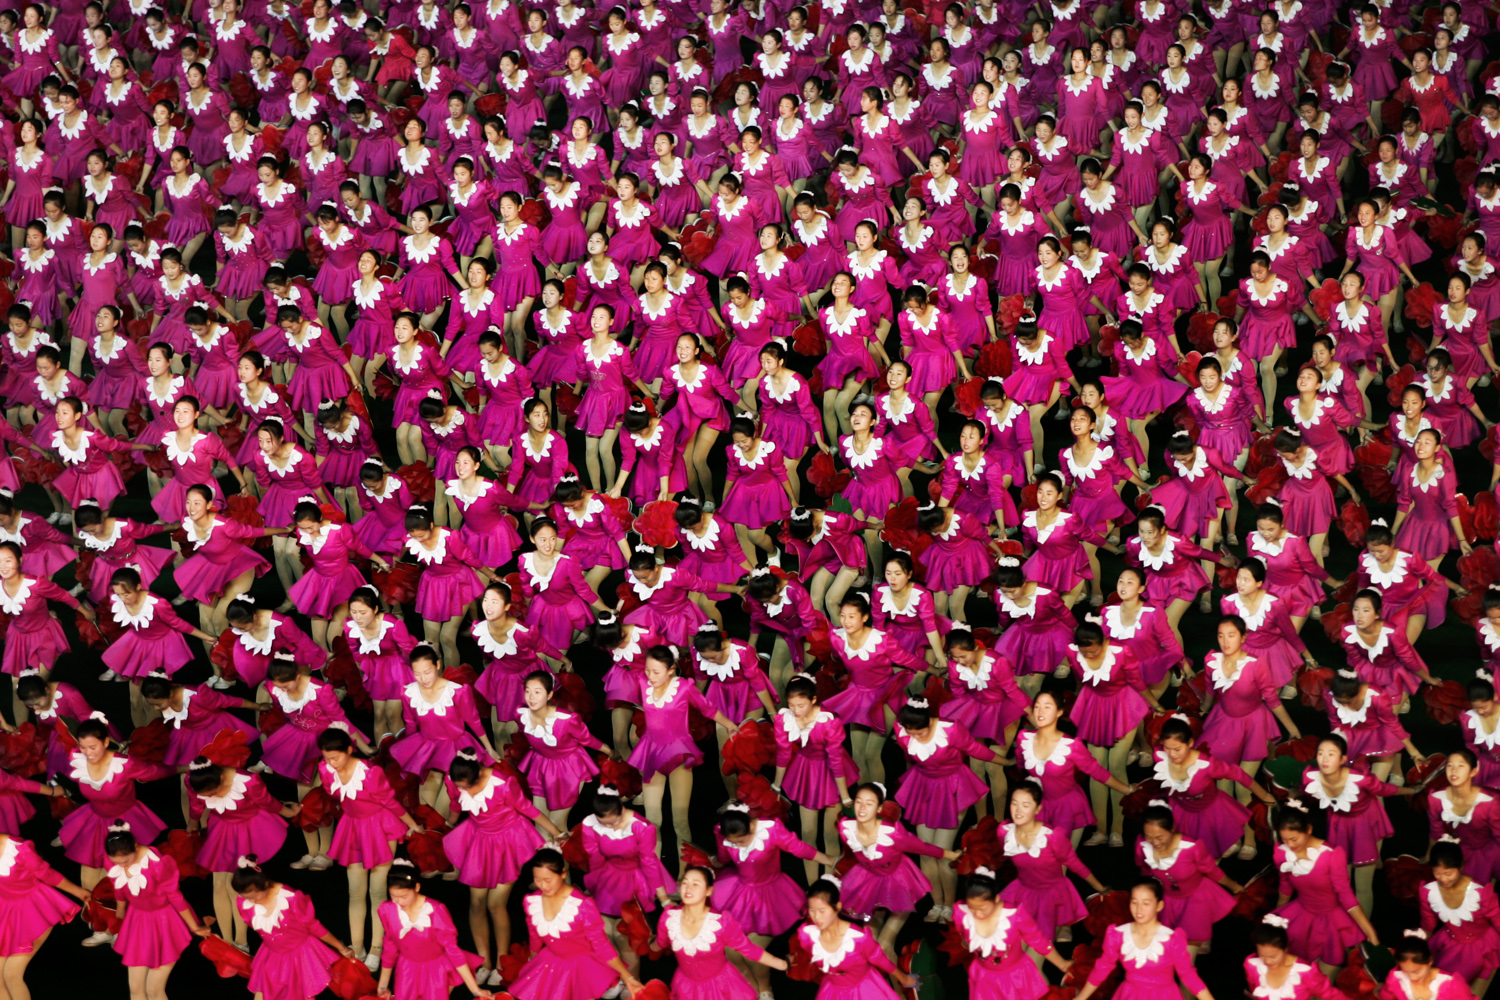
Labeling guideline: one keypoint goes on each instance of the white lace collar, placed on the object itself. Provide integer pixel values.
(865, 459)
(1453, 915)
(266, 918)
(80, 772)
(1163, 863)
(1288, 990)
(920, 751)
(132, 878)
(623, 832)
(794, 732)
(1303, 866)
(1449, 816)
(229, 801)
(427, 557)
(174, 389)
(122, 614)
(558, 925)
(1312, 784)
(1384, 578)
(1162, 771)
(445, 699)
(671, 692)
(1012, 843)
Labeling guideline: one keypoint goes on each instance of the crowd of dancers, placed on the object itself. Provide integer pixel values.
(789, 367)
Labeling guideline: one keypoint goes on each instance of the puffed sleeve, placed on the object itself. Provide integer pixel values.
(49, 590)
(1219, 770)
(165, 876)
(1108, 958)
(512, 796)
(1338, 877)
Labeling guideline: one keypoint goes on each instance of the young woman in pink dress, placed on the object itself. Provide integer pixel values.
(698, 938)
(450, 579)
(624, 865)
(151, 634)
(811, 763)
(851, 959)
(239, 817)
(1465, 811)
(512, 652)
(151, 937)
(558, 763)
(1043, 857)
(997, 937)
(1324, 918)
(751, 885)
(34, 894)
(370, 822)
(1188, 777)
(1041, 624)
(1192, 880)
(1461, 918)
(294, 956)
(440, 718)
(568, 943)
(423, 948)
(1153, 956)
(37, 639)
(1350, 798)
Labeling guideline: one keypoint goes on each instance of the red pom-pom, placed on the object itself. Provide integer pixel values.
(656, 525)
(636, 931)
(653, 990)
(1106, 909)
(1479, 569)
(1421, 299)
(229, 748)
(1009, 313)
(1354, 522)
(1333, 622)
(1267, 484)
(800, 965)
(1325, 297)
(808, 340)
(966, 396)
(228, 961)
(573, 852)
(399, 583)
(1396, 383)
(319, 809)
(426, 852)
(350, 980)
(513, 962)
(570, 694)
(1312, 684)
(1200, 330)
(900, 530)
(419, 480)
(148, 742)
(746, 751)
(1445, 702)
(183, 847)
(1187, 367)
(980, 848)
(99, 911)
(620, 774)
(1486, 517)
(1256, 900)
(826, 478)
(995, 358)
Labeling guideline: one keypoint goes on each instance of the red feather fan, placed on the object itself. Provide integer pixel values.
(148, 743)
(746, 750)
(1445, 702)
(183, 847)
(1419, 303)
(229, 748)
(636, 931)
(419, 480)
(1354, 522)
(995, 358)
(348, 979)
(228, 961)
(319, 809)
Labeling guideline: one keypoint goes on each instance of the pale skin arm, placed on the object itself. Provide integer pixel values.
(1286, 722)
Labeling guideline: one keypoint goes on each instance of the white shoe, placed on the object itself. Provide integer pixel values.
(495, 979)
(1288, 692)
(218, 683)
(98, 938)
(613, 993)
(180, 600)
(258, 767)
(1116, 840)
(320, 864)
(372, 960)
(76, 591)
(303, 862)
(109, 675)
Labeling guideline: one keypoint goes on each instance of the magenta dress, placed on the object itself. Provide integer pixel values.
(938, 786)
(623, 863)
(507, 664)
(1195, 901)
(1478, 831)
(423, 950)
(382, 661)
(1061, 313)
(1038, 634)
(34, 638)
(1058, 559)
(566, 950)
(704, 971)
(883, 877)
(1041, 888)
(332, 578)
(1357, 820)
(877, 678)
(1240, 727)
(1467, 938)
(448, 581)
(218, 558)
(1199, 809)
(1109, 706)
(1321, 927)
(246, 820)
(153, 933)
(558, 763)
(34, 904)
(32, 180)
(1303, 982)
(856, 971)
(1391, 664)
(1223, 422)
(812, 757)
(204, 714)
(191, 204)
(752, 888)
(1174, 573)
(383, 527)
(435, 730)
(1065, 804)
(607, 379)
(109, 800)
(1291, 572)
(1151, 971)
(986, 700)
(592, 536)
(369, 816)
(667, 742)
(292, 962)
(1000, 969)
(150, 640)
(492, 845)
(292, 751)
(558, 603)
